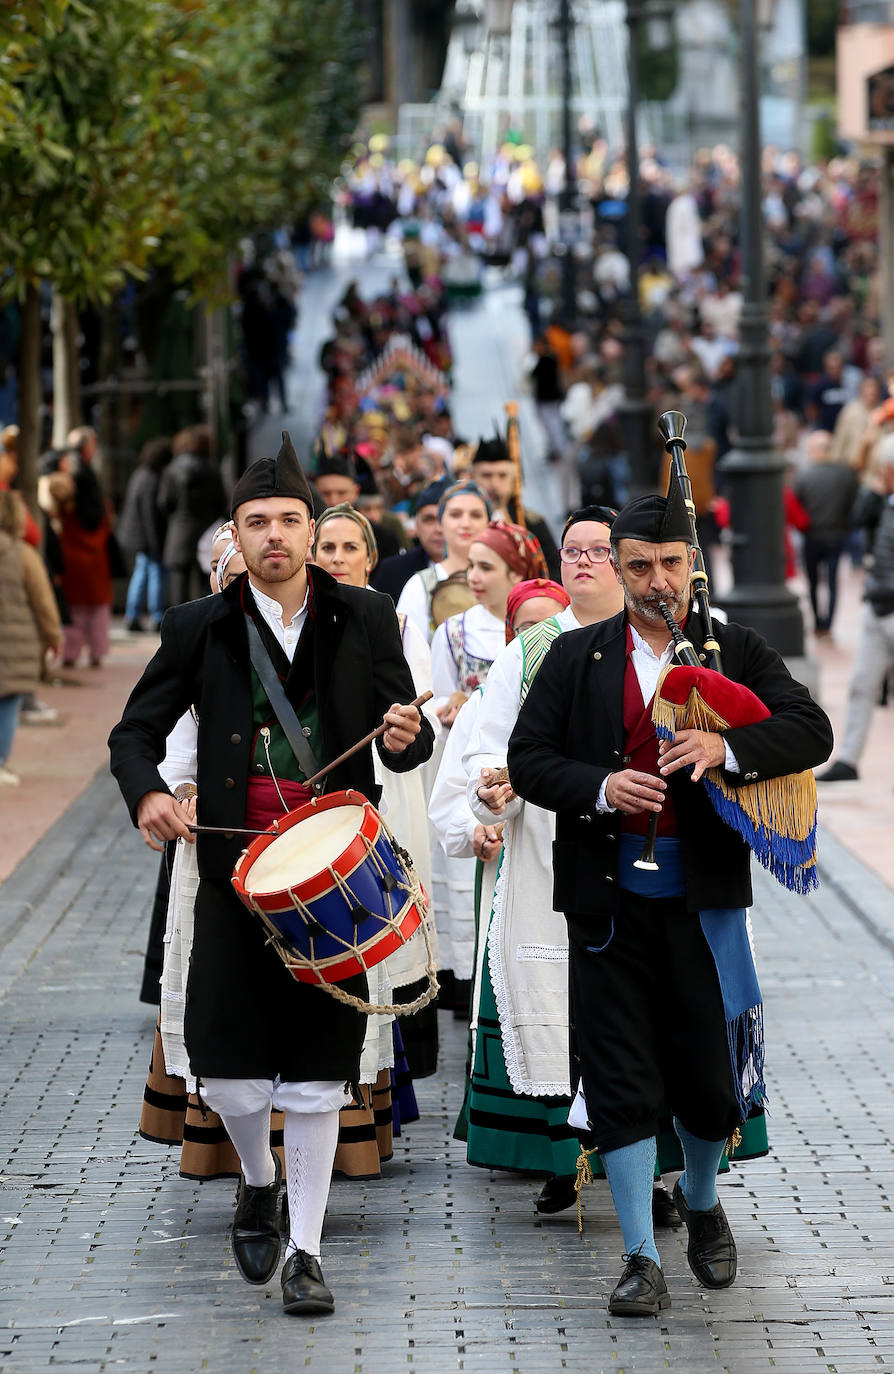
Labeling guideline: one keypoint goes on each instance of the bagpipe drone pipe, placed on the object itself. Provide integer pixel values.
(776, 816)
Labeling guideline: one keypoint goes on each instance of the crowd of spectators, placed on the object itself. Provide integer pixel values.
(386, 432)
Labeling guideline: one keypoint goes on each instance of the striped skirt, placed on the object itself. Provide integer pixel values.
(172, 1116)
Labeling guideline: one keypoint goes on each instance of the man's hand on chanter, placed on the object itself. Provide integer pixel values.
(632, 792)
(701, 748)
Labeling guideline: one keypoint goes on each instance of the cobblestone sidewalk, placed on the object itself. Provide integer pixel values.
(110, 1260)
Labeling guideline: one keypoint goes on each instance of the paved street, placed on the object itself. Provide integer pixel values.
(108, 1260)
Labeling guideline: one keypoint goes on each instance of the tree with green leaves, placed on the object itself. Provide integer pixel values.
(137, 134)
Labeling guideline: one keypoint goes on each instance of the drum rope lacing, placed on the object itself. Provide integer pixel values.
(293, 958)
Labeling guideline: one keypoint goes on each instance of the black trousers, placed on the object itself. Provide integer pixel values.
(648, 1030)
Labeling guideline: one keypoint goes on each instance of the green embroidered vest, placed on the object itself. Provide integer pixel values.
(285, 765)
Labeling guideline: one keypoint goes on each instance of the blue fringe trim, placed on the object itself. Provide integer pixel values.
(781, 855)
(745, 1037)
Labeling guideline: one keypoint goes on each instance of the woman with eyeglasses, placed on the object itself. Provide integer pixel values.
(516, 1109)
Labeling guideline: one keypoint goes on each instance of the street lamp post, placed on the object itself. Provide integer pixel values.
(635, 418)
(753, 471)
(568, 194)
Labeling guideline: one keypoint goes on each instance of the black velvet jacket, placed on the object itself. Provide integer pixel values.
(569, 737)
(355, 664)
(246, 1017)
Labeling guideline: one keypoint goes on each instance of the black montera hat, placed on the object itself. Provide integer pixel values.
(336, 465)
(656, 519)
(492, 451)
(279, 476)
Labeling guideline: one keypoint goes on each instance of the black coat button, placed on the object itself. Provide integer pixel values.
(229, 784)
(235, 739)
(259, 767)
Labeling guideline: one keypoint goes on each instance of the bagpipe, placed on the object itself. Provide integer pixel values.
(777, 816)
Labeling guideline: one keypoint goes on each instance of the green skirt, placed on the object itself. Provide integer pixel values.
(507, 1130)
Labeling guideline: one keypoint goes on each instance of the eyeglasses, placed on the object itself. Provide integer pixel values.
(596, 553)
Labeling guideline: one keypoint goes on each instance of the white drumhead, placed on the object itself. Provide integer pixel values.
(304, 850)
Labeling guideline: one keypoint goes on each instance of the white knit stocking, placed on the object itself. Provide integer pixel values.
(310, 1143)
(251, 1136)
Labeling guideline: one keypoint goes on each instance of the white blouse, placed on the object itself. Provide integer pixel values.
(485, 636)
(415, 602)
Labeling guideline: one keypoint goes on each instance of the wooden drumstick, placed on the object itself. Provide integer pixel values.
(225, 830)
(309, 782)
(362, 743)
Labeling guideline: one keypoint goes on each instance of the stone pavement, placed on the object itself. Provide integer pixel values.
(109, 1259)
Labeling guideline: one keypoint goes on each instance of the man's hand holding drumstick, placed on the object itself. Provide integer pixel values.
(162, 817)
(403, 725)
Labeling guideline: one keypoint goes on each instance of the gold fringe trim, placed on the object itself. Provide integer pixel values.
(785, 805)
(584, 1176)
(733, 1143)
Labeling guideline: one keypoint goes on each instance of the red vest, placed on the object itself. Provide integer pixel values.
(641, 749)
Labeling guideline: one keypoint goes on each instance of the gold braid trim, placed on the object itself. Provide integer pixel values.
(584, 1176)
(785, 805)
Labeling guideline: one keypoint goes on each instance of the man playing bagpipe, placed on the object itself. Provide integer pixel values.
(664, 1005)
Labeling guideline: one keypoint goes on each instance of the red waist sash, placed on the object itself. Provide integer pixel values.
(263, 806)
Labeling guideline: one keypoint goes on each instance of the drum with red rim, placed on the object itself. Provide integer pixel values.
(332, 887)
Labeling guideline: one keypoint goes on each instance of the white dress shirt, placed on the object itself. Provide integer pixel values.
(271, 610)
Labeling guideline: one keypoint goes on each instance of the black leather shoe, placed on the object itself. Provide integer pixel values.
(445, 994)
(712, 1250)
(257, 1243)
(664, 1213)
(304, 1290)
(641, 1290)
(557, 1194)
(462, 997)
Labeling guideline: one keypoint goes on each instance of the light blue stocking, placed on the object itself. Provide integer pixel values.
(630, 1172)
(701, 1158)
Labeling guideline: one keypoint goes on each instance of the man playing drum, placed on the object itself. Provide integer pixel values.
(254, 1035)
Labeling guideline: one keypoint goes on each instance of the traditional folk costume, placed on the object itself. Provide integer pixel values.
(516, 1109)
(663, 1000)
(255, 1036)
(384, 1098)
(404, 806)
(452, 886)
(463, 649)
(519, 1093)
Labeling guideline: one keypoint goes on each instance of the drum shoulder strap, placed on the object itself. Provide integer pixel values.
(282, 707)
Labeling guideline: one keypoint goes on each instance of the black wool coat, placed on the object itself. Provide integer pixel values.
(246, 1016)
(569, 737)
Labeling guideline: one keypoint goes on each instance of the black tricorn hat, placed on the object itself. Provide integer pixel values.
(279, 476)
(655, 519)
